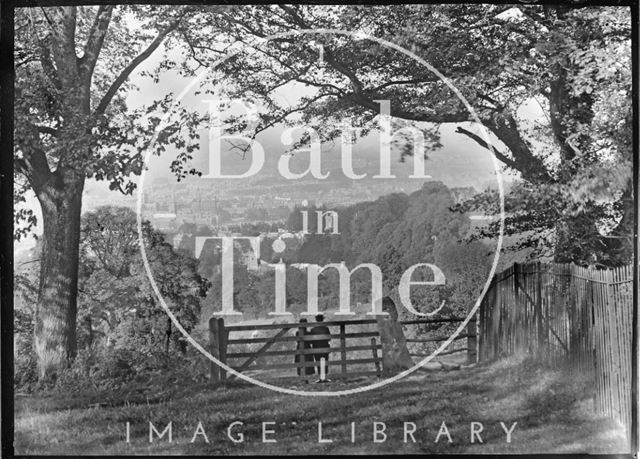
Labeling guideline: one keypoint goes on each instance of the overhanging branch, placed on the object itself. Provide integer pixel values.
(96, 39)
(48, 130)
(128, 70)
(477, 139)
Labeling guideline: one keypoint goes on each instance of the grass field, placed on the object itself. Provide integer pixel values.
(552, 409)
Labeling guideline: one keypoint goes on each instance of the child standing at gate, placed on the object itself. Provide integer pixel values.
(303, 344)
(321, 345)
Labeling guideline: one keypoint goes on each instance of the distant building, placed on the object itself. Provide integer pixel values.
(164, 221)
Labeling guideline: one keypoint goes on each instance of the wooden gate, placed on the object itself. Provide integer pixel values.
(355, 347)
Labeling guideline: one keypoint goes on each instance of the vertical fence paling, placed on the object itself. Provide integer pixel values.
(565, 313)
(343, 349)
(376, 358)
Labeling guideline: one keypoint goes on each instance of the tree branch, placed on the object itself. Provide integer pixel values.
(20, 166)
(281, 118)
(505, 127)
(48, 130)
(501, 156)
(497, 105)
(96, 39)
(113, 89)
(500, 121)
(401, 82)
(68, 37)
(192, 48)
(33, 164)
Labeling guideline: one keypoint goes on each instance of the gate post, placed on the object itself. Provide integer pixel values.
(223, 336)
(395, 356)
(214, 349)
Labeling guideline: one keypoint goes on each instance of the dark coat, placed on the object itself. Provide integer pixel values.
(301, 344)
(317, 331)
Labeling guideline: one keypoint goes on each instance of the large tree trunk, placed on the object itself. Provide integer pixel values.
(56, 309)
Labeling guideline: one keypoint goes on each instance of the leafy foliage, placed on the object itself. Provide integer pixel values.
(573, 63)
(393, 232)
(122, 330)
(117, 301)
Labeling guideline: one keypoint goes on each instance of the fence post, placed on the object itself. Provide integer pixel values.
(575, 319)
(374, 351)
(541, 337)
(343, 348)
(214, 349)
(517, 311)
(485, 338)
(223, 336)
(472, 340)
(479, 327)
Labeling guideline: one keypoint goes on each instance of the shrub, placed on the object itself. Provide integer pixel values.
(25, 364)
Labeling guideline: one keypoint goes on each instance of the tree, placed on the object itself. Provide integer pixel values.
(574, 62)
(395, 232)
(73, 68)
(115, 290)
(587, 210)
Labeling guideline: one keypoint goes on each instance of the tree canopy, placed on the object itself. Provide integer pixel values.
(115, 291)
(573, 63)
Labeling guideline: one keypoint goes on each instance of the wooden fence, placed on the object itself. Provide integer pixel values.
(353, 353)
(568, 315)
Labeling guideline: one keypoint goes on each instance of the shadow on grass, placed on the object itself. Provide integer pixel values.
(547, 404)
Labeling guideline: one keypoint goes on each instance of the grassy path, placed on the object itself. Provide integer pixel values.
(552, 411)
